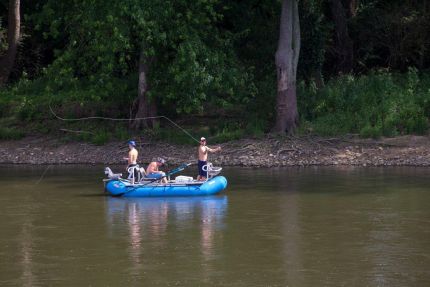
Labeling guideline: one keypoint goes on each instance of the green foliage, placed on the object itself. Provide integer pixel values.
(100, 138)
(378, 104)
(227, 135)
(171, 135)
(328, 125)
(371, 132)
(215, 58)
(11, 133)
(190, 61)
(314, 37)
(256, 128)
(398, 35)
(254, 25)
(31, 100)
(121, 133)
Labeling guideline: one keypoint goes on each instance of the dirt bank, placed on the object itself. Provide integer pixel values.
(267, 152)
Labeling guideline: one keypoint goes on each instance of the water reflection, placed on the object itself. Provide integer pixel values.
(27, 278)
(287, 227)
(151, 223)
(212, 219)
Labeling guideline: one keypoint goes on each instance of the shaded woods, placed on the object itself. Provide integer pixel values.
(229, 68)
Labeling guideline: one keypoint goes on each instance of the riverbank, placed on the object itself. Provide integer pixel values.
(267, 152)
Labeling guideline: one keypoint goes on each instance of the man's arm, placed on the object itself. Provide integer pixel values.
(214, 149)
(150, 168)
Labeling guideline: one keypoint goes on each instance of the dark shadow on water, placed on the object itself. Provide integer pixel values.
(93, 195)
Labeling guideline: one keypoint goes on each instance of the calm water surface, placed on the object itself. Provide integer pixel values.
(272, 227)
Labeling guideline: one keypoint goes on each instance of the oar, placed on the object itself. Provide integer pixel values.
(173, 171)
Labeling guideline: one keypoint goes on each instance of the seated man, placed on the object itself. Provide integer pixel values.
(153, 172)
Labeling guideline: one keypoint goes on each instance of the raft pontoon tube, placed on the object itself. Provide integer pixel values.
(117, 187)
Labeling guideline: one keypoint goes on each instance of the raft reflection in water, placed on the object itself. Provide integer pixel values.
(158, 223)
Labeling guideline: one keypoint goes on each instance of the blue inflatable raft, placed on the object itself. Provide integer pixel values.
(118, 187)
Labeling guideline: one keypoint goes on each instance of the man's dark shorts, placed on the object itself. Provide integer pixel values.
(135, 170)
(201, 171)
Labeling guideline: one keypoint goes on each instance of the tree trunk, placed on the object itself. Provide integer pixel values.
(146, 108)
(343, 44)
(286, 59)
(13, 37)
(351, 7)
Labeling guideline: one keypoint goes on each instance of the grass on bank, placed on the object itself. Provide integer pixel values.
(373, 105)
(378, 104)
(101, 133)
(10, 134)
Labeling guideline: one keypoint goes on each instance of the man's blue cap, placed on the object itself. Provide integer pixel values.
(133, 143)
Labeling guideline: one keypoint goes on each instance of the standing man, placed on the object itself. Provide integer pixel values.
(132, 160)
(203, 158)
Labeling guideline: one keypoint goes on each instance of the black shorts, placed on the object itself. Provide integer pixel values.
(136, 170)
(201, 171)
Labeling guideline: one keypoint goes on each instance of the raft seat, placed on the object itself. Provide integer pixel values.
(211, 170)
(112, 175)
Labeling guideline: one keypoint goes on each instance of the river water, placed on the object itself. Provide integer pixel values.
(272, 227)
